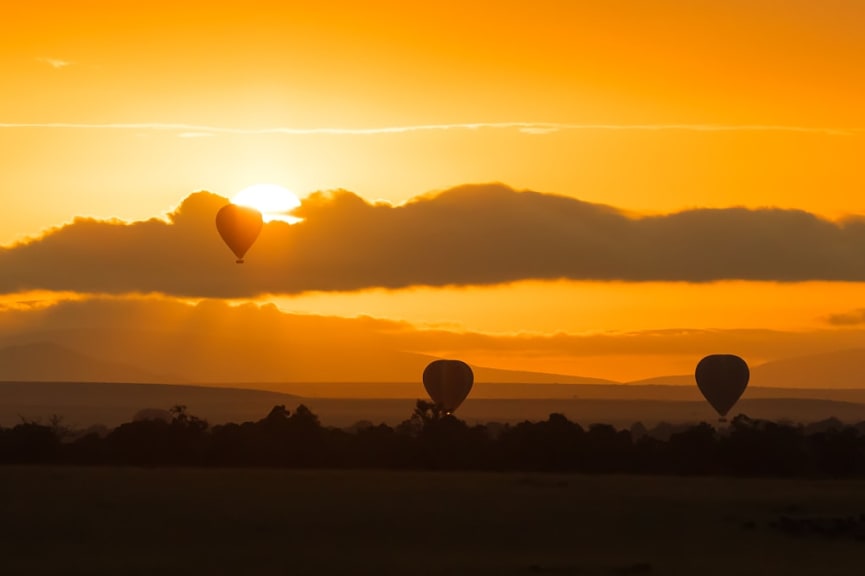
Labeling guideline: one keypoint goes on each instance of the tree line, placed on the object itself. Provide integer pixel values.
(433, 440)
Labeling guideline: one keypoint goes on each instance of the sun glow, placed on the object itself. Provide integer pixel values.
(273, 201)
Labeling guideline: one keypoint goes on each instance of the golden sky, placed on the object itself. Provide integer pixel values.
(608, 125)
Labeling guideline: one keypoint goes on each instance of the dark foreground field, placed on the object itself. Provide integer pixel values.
(95, 521)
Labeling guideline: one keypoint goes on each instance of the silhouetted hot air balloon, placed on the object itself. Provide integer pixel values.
(239, 226)
(722, 378)
(448, 382)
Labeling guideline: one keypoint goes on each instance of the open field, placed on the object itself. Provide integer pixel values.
(112, 521)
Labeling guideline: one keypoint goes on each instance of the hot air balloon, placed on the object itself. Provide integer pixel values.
(722, 378)
(239, 226)
(448, 382)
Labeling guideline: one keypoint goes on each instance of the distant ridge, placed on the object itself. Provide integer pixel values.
(84, 404)
(47, 361)
(112, 403)
(675, 380)
(498, 376)
(841, 369)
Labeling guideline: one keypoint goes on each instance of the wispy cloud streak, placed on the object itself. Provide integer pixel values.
(539, 128)
(54, 62)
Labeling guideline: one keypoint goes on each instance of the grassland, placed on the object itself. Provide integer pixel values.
(117, 521)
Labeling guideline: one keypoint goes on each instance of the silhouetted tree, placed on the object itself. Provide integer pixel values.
(694, 451)
(431, 439)
(607, 449)
(638, 430)
(424, 413)
(553, 445)
(29, 443)
(760, 447)
(839, 452)
(446, 442)
(182, 441)
(152, 414)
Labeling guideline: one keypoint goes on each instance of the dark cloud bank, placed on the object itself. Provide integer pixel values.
(471, 235)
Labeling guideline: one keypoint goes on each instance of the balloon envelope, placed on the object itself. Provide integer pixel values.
(239, 227)
(448, 382)
(722, 378)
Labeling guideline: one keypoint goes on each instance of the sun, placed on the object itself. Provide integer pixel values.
(273, 201)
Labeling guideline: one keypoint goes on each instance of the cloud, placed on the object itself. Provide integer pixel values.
(195, 135)
(751, 343)
(54, 62)
(534, 128)
(470, 235)
(212, 341)
(215, 342)
(853, 318)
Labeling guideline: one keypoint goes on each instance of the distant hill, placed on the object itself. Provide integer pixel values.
(833, 370)
(681, 380)
(841, 369)
(85, 404)
(209, 364)
(415, 389)
(88, 356)
(50, 361)
(504, 377)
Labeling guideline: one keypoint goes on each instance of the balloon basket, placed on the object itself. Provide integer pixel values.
(239, 261)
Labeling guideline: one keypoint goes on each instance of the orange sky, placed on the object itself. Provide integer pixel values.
(653, 108)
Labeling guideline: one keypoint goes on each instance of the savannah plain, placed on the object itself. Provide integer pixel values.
(109, 521)
(578, 199)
